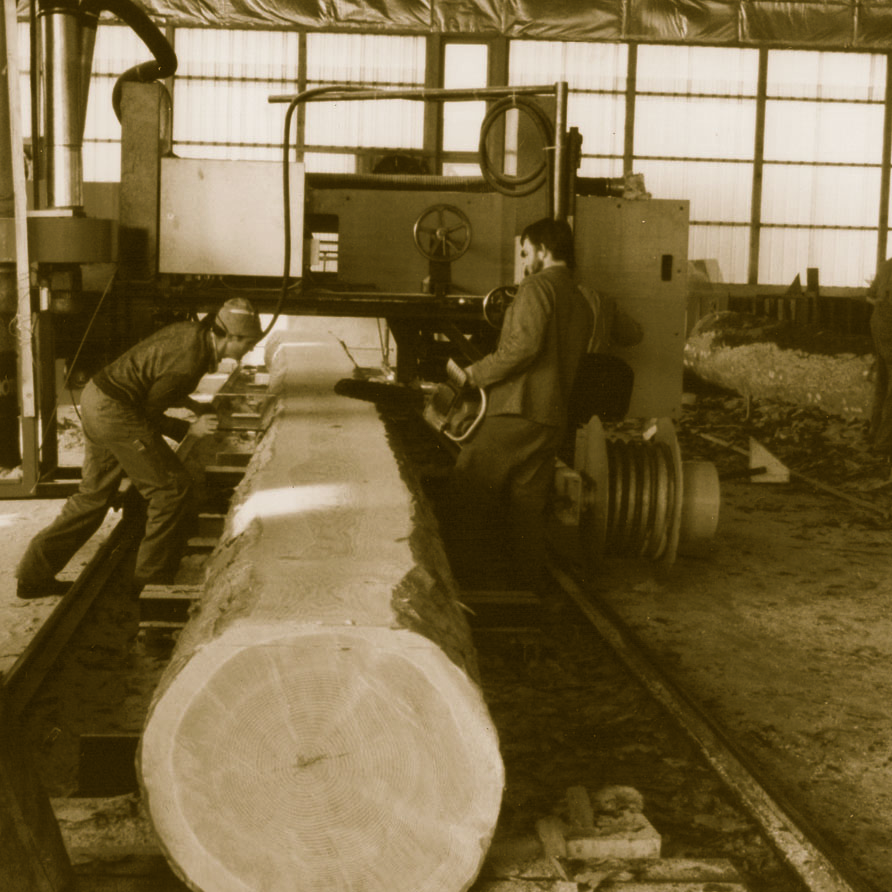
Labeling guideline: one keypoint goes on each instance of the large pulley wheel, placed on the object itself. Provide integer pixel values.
(442, 232)
(496, 304)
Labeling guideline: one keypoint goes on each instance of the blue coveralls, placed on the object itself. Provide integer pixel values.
(122, 408)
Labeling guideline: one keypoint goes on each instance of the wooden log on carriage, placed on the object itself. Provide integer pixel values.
(320, 724)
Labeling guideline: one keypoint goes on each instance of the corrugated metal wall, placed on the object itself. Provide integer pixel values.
(694, 134)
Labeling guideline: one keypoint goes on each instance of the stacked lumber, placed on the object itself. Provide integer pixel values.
(320, 725)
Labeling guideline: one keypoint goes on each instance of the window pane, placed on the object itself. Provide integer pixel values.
(227, 113)
(601, 121)
(389, 123)
(689, 69)
(694, 128)
(358, 59)
(729, 245)
(810, 75)
(716, 191)
(812, 131)
(820, 196)
(585, 66)
(841, 257)
(365, 59)
(464, 66)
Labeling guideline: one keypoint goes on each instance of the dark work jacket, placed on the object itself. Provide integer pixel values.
(160, 373)
(546, 331)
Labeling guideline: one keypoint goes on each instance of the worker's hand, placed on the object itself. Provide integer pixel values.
(204, 425)
(456, 374)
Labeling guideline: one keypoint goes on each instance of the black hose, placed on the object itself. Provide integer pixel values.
(165, 62)
(286, 189)
(507, 184)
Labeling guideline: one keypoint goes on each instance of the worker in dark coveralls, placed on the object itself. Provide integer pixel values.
(508, 465)
(880, 295)
(122, 409)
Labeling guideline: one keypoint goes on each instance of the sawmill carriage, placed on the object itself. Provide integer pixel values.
(434, 259)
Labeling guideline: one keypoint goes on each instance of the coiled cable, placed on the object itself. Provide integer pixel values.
(522, 184)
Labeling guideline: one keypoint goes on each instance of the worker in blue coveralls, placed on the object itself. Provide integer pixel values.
(123, 412)
(880, 295)
(509, 462)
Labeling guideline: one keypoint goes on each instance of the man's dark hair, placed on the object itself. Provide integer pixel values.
(553, 235)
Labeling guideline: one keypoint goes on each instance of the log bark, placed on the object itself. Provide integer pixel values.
(754, 358)
(32, 854)
(320, 725)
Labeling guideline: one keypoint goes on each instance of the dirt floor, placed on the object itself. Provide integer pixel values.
(781, 626)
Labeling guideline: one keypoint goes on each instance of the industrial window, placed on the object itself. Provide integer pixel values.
(695, 117)
(596, 76)
(464, 66)
(221, 91)
(822, 166)
(356, 136)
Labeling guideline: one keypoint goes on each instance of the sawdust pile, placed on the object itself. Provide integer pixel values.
(758, 359)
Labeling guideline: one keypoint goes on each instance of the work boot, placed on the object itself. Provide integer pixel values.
(44, 589)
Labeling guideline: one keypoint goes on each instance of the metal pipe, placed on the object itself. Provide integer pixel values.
(61, 38)
(421, 93)
(89, 24)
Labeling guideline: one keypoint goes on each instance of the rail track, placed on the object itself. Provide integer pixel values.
(576, 699)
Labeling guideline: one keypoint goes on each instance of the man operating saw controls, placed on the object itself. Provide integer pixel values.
(508, 466)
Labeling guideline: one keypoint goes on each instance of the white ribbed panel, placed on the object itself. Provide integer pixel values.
(717, 191)
(585, 66)
(222, 88)
(729, 245)
(359, 59)
(808, 75)
(842, 257)
(365, 59)
(464, 67)
(820, 196)
(687, 127)
(813, 131)
(692, 69)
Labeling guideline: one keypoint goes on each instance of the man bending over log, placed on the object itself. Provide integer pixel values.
(122, 408)
(509, 463)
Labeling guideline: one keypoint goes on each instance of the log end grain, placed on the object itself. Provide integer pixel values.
(322, 758)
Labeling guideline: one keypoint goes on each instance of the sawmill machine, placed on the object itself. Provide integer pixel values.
(435, 258)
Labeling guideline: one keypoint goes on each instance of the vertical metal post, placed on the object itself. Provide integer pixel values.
(631, 93)
(17, 277)
(758, 163)
(433, 111)
(885, 161)
(560, 152)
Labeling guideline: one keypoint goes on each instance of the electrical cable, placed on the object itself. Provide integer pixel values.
(507, 184)
(286, 194)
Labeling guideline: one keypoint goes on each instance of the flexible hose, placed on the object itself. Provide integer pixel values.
(507, 184)
(165, 62)
(286, 189)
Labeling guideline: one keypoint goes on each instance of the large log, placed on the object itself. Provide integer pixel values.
(320, 725)
(756, 358)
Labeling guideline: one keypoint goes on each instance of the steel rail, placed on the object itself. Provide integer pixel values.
(787, 831)
(33, 664)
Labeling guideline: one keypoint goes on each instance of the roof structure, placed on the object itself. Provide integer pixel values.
(860, 25)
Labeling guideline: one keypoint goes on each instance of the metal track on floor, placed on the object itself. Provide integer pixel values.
(788, 832)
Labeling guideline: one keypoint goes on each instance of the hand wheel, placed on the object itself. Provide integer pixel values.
(442, 232)
(496, 303)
